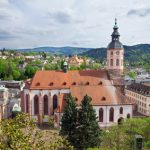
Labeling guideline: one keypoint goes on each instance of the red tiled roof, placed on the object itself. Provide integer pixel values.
(94, 83)
(101, 95)
(59, 79)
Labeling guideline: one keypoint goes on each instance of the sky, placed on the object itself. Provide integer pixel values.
(79, 23)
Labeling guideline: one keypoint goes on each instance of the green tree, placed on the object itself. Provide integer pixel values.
(88, 131)
(132, 75)
(30, 71)
(122, 137)
(69, 120)
(22, 133)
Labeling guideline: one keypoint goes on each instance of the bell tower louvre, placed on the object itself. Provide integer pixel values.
(115, 53)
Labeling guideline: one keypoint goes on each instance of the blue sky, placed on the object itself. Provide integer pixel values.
(81, 23)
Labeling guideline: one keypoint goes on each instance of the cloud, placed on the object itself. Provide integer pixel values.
(59, 17)
(139, 12)
(86, 23)
(5, 35)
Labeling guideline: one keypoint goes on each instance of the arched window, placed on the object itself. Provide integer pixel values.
(55, 102)
(101, 114)
(121, 110)
(111, 62)
(36, 105)
(27, 103)
(111, 53)
(117, 62)
(45, 104)
(111, 114)
(128, 116)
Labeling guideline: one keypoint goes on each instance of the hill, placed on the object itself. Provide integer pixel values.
(131, 52)
(58, 50)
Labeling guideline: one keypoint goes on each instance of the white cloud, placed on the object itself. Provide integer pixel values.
(86, 23)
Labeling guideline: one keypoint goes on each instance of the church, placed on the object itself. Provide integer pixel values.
(45, 94)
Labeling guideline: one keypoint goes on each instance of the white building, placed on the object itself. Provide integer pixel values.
(139, 95)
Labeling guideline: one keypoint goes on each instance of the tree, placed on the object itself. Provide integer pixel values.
(88, 131)
(69, 120)
(30, 70)
(22, 133)
(132, 75)
(122, 137)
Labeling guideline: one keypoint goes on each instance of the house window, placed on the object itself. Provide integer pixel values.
(36, 105)
(27, 103)
(101, 114)
(45, 105)
(117, 62)
(111, 62)
(111, 114)
(121, 110)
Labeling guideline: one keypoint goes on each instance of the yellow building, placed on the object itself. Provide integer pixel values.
(75, 61)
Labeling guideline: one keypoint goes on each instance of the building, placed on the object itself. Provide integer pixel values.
(45, 94)
(75, 61)
(4, 99)
(115, 52)
(139, 95)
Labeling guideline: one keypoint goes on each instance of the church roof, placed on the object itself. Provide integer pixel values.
(94, 83)
(59, 79)
(115, 45)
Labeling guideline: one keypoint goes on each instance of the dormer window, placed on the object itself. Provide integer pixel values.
(38, 84)
(74, 83)
(103, 98)
(64, 83)
(100, 83)
(51, 84)
(76, 99)
(87, 83)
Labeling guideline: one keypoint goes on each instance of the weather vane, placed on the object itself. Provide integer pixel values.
(115, 21)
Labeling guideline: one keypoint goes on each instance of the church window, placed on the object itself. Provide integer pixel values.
(27, 103)
(45, 105)
(117, 62)
(111, 62)
(55, 102)
(121, 110)
(101, 114)
(36, 105)
(111, 114)
(128, 116)
(111, 53)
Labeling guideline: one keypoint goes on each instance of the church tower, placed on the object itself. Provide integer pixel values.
(115, 53)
